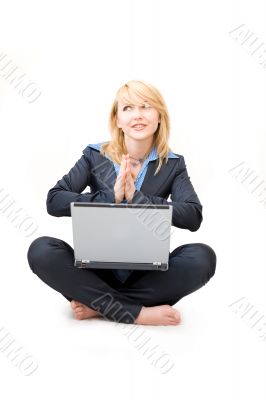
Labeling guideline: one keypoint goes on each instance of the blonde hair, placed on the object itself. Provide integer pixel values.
(136, 92)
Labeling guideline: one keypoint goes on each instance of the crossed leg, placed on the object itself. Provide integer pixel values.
(147, 295)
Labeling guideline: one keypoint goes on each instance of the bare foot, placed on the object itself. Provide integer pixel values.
(83, 312)
(158, 315)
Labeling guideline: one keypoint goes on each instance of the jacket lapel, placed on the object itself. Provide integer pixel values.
(152, 184)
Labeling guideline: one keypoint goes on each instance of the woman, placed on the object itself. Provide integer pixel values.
(135, 166)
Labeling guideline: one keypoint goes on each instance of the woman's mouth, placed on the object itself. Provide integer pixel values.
(139, 127)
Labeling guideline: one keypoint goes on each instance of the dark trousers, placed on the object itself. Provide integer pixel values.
(190, 267)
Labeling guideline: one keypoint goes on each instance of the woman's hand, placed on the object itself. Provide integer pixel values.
(129, 181)
(119, 187)
(124, 185)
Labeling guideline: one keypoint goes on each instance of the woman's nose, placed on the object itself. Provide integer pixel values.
(137, 111)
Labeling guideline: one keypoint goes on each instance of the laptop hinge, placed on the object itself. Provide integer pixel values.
(81, 263)
(156, 265)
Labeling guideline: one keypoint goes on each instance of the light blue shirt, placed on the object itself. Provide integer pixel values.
(122, 274)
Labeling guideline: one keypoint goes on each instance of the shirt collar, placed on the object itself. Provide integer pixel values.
(153, 155)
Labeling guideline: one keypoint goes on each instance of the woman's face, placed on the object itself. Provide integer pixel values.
(138, 122)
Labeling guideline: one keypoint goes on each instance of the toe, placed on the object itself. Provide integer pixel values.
(175, 318)
(73, 304)
(173, 323)
(79, 314)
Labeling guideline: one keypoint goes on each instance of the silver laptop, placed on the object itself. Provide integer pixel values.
(121, 236)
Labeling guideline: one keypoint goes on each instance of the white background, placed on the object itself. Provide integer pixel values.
(79, 54)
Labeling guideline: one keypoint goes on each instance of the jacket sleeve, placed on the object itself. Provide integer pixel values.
(187, 209)
(69, 189)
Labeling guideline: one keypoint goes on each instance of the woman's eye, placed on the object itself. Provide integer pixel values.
(145, 105)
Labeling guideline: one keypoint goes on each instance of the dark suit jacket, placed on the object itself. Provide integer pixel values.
(98, 172)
